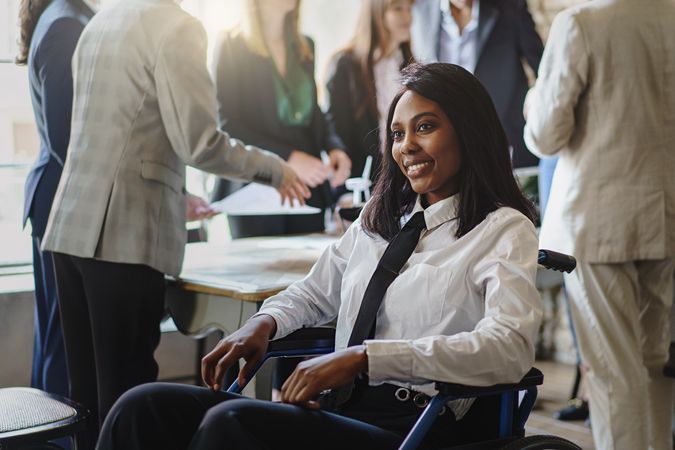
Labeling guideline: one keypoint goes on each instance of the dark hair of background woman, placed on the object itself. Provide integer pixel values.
(371, 34)
(29, 13)
(486, 180)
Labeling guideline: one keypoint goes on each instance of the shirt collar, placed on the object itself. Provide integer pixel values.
(440, 212)
(449, 22)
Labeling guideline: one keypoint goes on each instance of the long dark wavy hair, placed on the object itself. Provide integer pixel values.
(486, 180)
(29, 13)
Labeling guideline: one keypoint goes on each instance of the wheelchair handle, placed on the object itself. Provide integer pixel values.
(556, 261)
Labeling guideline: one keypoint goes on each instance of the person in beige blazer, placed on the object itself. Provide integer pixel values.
(604, 102)
(144, 107)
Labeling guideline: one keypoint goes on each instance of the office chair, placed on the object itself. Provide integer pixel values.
(513, 414)
(30, 418)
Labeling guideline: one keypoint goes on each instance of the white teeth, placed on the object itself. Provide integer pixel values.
(417, 166)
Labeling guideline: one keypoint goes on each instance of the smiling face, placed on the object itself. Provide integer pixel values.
(425, 147)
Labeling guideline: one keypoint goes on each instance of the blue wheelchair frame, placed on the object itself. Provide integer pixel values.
(512, 415)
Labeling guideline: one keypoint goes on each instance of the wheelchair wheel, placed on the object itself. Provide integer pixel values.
(541, 443)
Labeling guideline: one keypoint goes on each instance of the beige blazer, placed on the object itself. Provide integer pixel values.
(604, 102)
(144, 107)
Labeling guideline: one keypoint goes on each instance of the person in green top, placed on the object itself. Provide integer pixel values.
(264, 77)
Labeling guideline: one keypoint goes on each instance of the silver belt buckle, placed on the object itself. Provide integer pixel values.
(402, 394)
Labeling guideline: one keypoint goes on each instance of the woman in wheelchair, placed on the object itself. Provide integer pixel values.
(452, 299)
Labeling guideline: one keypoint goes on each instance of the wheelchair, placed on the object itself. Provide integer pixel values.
(513, 413)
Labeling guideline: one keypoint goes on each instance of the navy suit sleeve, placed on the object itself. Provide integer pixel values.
(53, 66)
(529, 41)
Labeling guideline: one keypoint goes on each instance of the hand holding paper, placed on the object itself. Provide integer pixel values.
(198, 209)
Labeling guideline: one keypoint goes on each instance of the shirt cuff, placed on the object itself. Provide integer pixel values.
(389, 360)
(266, 167)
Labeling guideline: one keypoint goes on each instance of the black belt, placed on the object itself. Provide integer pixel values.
(386, 393)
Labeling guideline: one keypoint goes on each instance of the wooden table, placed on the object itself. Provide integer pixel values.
(221, 284)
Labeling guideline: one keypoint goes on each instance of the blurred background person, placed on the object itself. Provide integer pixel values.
(604, 102)
(49, 33)
(363, 77)
(143, 108)
(491, 39)
(264, 76)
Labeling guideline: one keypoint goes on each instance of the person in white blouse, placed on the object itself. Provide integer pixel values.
(463, 309)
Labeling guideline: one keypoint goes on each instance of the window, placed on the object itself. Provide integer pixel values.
(18, 141)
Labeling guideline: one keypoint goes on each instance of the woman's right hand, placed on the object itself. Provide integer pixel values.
(309, 168)
(248, 342)
(292, 186)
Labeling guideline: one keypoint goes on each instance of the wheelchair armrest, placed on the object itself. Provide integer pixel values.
(556, 261)
(304, 338)
(533, 378)
(350, 214)
(303, 342)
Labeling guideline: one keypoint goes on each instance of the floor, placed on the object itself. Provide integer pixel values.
(553, 395)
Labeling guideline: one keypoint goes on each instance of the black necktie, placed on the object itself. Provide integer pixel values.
(395, 256)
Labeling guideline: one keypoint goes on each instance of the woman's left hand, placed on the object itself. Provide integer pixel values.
(341, 166)
(315, 375)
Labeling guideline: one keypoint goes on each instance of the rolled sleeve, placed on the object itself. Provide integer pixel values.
(314, 300)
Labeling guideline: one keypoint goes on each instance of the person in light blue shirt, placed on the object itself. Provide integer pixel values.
(489, 38)
(459, 35)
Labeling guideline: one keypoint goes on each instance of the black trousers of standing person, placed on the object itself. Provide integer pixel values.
(180, 417)
(110, 314)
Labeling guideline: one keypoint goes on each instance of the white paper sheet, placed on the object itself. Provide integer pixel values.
(258, 200)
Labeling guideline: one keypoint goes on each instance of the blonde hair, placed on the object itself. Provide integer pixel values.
(251, 30)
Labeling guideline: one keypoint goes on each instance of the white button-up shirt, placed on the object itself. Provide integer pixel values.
(456, 48)
(461, 311)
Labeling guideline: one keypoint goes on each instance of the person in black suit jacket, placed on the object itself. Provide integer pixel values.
(505, 36)
(49, 33)
(264, 76)
(361, 82)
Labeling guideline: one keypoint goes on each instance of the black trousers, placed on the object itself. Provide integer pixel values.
(49, 371)
(110, 314)
(179, 417)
